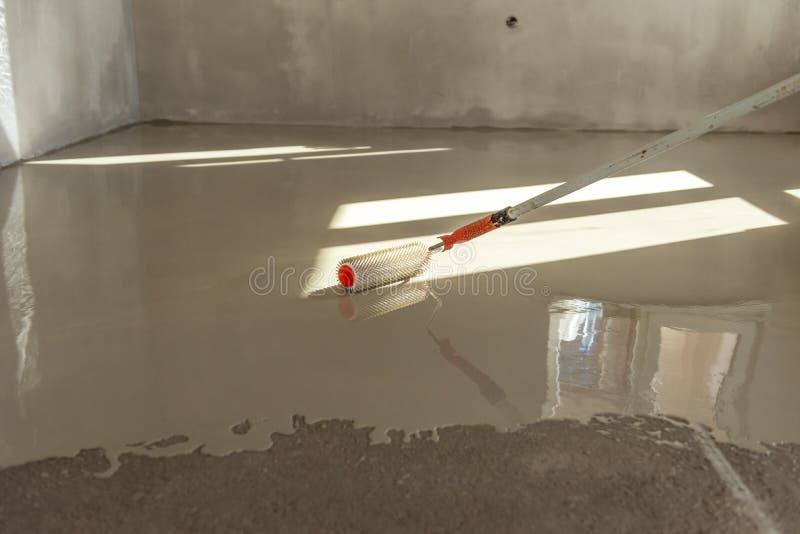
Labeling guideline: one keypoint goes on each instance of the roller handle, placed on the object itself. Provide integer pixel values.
(474, 229)
(710, 122)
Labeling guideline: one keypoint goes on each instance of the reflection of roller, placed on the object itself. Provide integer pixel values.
(371, 304)
(491, 391)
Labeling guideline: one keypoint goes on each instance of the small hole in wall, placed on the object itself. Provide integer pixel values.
(511, 21)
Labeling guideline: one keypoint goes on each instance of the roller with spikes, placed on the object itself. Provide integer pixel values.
(384, 267)
(395, 264)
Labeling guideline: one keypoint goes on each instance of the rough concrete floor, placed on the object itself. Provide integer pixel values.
(614, 474)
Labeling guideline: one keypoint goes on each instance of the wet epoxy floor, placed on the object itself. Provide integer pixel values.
(161, 282)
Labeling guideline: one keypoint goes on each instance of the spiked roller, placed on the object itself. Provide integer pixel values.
(383, 267)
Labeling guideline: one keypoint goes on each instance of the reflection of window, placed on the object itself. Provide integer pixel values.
(589, 358)
(578, 361)
(691, 367)
(690, 361)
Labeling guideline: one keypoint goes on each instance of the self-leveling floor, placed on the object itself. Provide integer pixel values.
(625, 359)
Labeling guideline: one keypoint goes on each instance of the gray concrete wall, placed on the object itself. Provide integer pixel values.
(616, 64)
(67, 72)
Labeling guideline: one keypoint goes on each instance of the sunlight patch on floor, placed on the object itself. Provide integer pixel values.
(194, 155)
(562, 239)
(450, 204)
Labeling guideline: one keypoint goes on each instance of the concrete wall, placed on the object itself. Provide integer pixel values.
(67, 71)
(616, 64)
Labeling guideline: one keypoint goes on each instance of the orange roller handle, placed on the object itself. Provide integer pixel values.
(467, 232)
(477, 228)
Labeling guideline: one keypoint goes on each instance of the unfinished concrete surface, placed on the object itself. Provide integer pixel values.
(611, 475)
(160, 300)
(627, 64)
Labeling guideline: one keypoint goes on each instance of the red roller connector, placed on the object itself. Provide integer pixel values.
(468, 232)
(346, 276)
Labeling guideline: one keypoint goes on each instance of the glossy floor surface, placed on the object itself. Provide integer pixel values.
(163, 281)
